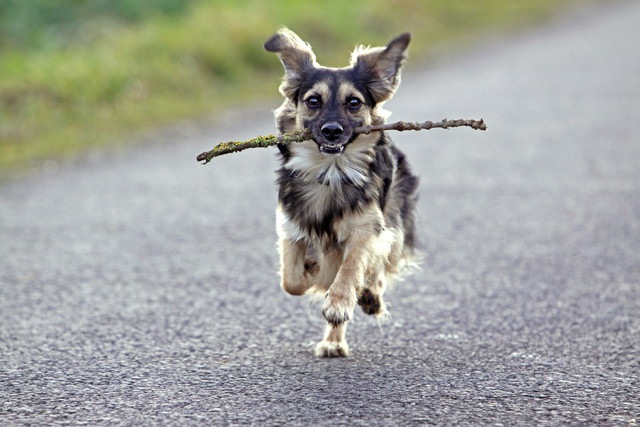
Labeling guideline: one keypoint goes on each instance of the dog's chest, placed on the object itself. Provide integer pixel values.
(320, 193)
(329, 191)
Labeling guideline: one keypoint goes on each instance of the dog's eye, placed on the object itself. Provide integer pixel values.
(353, 103)
(313, 102)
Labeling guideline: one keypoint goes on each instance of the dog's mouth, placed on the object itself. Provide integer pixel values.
(333, 138)
(334, 147)
(331, 148)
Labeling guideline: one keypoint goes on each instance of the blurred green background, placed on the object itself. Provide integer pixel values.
(75, 74)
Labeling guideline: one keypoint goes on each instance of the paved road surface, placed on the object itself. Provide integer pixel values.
(140, 288)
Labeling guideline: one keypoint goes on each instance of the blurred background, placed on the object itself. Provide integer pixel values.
(77, 74)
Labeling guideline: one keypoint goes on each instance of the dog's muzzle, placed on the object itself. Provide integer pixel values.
(333, 139)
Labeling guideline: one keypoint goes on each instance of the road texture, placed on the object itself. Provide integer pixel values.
(140, 288)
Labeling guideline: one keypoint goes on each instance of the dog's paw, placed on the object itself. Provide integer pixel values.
(337, 309)
(371, 303)
(332, 349)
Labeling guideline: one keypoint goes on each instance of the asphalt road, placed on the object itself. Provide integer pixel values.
(140, 288)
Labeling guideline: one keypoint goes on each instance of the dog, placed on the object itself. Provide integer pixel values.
(345, 217)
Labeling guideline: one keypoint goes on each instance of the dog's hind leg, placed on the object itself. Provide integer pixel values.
(375, 284)
(370, 300)
(334, 343)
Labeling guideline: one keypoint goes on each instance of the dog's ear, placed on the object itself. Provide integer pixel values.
(296, 56)
(381, 66)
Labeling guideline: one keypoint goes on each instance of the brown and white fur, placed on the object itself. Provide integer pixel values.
(346, 203)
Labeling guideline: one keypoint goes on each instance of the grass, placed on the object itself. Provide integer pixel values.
(104, 69)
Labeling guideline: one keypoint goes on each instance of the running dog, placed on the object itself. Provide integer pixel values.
(346, 201)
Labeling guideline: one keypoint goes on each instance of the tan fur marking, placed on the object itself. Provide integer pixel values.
(321, 89)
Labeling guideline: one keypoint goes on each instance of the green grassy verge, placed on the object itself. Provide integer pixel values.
(110, 76)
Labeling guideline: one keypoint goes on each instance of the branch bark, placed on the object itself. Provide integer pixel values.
(305, 134)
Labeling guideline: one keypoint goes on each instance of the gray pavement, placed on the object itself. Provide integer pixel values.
(140, 288)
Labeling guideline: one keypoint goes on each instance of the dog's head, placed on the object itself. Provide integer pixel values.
(331, 102)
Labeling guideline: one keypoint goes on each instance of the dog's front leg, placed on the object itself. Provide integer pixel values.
(296, 278)
(334, 343)
(342, 295)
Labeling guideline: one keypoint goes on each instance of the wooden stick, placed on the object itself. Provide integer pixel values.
(305, 134)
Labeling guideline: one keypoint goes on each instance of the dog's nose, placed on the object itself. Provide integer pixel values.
(332, 130)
